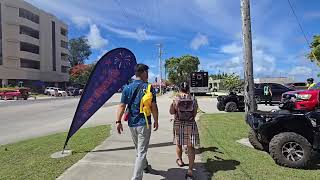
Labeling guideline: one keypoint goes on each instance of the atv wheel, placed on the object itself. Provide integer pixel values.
(254, 141)
(220, 106)
(231, 107)
(291, 150)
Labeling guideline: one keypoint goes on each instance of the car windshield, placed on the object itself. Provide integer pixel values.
(317, 86)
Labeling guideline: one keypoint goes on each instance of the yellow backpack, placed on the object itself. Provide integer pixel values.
(146, 103)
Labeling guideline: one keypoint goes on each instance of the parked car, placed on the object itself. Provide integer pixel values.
(49, 90)
(297, 85)
(22, 93)
(231, 102)
(58, 92)
(277, 91)
(72, 91)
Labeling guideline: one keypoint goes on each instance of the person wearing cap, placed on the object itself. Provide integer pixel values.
(138, 123)
(310, 83)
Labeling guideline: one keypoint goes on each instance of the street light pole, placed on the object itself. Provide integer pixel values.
(250, 103)
(160, 67)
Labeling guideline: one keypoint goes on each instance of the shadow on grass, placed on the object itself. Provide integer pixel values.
(128, 148)
(208, 149)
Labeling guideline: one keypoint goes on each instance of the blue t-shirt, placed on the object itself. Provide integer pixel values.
(136, 119)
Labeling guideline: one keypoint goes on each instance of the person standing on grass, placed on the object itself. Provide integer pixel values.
(138, 123)
(267, 93)
(185, 131)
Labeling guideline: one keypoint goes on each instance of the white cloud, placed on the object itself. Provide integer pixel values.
(95, 39)
(198, 41)
(139, 34)
(81, 21)
(300, 71)
(233, 48)
(232, 62)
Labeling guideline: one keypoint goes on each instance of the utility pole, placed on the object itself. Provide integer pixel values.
(250, 103)
(160, 66)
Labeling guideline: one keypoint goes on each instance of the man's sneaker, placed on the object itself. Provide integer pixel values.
(147, 169)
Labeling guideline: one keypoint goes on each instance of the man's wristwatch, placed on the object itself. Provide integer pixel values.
(118, 122)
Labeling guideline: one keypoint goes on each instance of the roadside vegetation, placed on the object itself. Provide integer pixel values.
(30, 159)
(227, 159)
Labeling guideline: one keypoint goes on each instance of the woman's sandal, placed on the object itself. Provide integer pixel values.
(181, 164)
(188, 177)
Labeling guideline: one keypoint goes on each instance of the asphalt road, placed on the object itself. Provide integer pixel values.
(27, 119)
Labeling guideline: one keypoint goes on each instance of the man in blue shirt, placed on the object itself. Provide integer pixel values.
(131, 98)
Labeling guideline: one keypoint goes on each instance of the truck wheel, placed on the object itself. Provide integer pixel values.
(220, 106)
(15, 98)
(231, 107)
(254, 141)
(291, 150)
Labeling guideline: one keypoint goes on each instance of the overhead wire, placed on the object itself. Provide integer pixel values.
(303, 32)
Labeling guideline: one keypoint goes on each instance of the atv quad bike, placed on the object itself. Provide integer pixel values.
(289, 137)
(231, 102)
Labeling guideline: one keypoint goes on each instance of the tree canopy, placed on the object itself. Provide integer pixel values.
(80, 73)
(180, 68)
(220, 75)
(79, 50)
(232, 82)
(314, 54)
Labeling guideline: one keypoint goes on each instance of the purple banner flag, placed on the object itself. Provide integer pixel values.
(111, 72)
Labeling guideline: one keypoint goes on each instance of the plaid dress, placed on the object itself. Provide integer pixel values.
(185, 132)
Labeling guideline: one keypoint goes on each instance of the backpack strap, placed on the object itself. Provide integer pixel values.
(134, 95)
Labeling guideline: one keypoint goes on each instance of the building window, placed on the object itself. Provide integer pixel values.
(28, 15)
(63, 32)
(27, 63)
(29, 31)
(29, 47)
(64, 57)
(64, 69)
(54, 63)
(64, 44)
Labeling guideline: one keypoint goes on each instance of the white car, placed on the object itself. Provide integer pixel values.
(49, 90)
(57, 92)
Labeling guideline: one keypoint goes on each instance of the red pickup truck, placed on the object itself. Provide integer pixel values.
(307, 100)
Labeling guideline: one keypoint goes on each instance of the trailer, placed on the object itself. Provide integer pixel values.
(199, 82)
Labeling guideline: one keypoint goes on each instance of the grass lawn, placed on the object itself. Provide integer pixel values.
(30, 159)
(227, 159)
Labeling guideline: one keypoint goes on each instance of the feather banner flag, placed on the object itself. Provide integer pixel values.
(111, 72)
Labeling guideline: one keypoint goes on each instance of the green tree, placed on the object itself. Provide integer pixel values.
(232, 82)
(180, 68)
(219, 76)
(79, 51)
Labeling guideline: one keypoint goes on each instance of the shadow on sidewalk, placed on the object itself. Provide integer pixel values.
(213, 166)
(129, 148)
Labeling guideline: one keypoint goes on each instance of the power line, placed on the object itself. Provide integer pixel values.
(303, 32)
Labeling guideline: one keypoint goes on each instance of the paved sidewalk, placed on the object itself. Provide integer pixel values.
(114, 158)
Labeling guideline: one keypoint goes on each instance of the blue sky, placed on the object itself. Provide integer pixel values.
(209, 29)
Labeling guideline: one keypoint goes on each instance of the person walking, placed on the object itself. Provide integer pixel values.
(185, 131)
(267, 93)
(138, 120)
